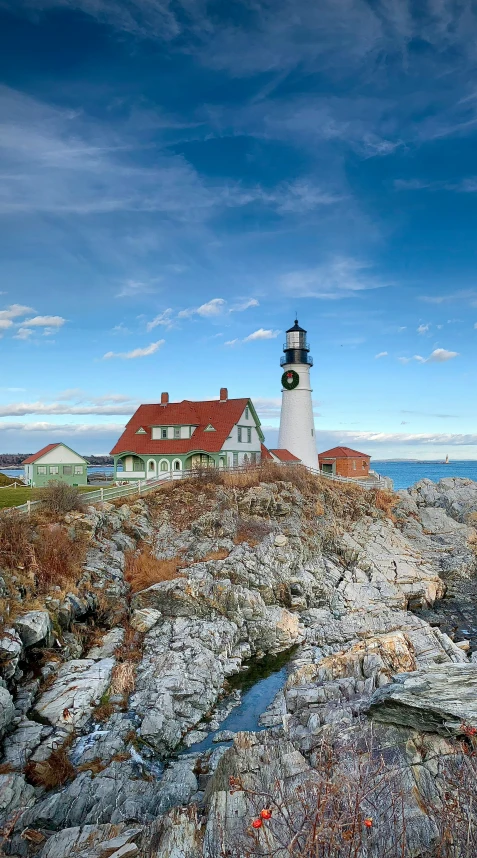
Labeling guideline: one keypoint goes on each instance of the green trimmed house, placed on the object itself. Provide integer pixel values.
(55, 462)
(176, 436)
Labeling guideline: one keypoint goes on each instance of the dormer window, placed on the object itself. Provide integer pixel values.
(177, 431)
(141, 431)
(209, 428)
(163, 433)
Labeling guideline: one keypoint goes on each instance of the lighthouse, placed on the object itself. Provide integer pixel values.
(297, 428)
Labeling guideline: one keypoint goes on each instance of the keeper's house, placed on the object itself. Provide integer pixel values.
(55, 462)
(345, 462)
(176, 436)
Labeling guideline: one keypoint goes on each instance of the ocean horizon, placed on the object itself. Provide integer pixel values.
(403, 472)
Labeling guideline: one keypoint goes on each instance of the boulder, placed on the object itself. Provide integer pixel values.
(108, 645)
(75, 692)
(34, 628)
(7, 709)
(10, 652)
(145, 619)
(15, 795)
(440, 699)
(90, 841)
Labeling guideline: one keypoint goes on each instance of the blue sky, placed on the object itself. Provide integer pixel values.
(177, 177)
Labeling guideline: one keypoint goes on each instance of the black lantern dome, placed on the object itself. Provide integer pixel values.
(296, 348)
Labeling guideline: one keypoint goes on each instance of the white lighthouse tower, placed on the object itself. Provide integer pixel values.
(297, 428)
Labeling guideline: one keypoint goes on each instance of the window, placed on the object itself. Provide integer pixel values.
(239, 434)
(253, 458)
(42, 469)
(177, 431)
(354, 464)
(54, 469)
(163, 433)
(67, 470)
(364, 465)
(177, 465)
(249, 434)
(151, 466)
(138, 465)
(235, 460)
(164, 466)
(246, 413)
(78, 469)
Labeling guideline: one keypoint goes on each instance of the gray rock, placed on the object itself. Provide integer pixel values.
(10, 652)
(15, 795)
(34, 628)
(440, 699)
(109, 644)
(23, 741)
(90, 841)
(143, 620)
(7, 709)
(224, 736)
(77, 689)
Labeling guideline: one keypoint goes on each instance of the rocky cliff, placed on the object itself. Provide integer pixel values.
(106, 686)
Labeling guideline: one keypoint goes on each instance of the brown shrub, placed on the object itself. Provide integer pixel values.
(131, 648)
(15, 540)
(58, 557)
(58, 498)
(53, 772)
(103, 711)
(143, 570)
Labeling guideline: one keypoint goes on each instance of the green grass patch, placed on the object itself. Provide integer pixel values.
(10, 497)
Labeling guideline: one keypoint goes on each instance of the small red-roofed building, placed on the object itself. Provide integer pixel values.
(285, 457)
(55, 462)
(345, 462)
(177, 436)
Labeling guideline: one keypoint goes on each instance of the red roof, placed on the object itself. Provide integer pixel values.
(222, 415)
(285, 456)
(266, 453)
(40, 453)
(342, 453)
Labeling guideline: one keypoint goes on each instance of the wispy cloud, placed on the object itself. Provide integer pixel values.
(260, 334)
(340, 278)
(423, 329)
(380, 355)
(14, 311)
(136, 353)
(23, 334)
(132, 288)
(214, 307)
(164, 319)
(246, 304)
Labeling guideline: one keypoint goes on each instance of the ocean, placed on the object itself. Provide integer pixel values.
(403, 474)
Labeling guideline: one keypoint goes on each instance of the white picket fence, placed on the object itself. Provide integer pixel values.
(141, 487)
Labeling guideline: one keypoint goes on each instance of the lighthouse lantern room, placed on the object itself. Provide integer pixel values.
(297, 428)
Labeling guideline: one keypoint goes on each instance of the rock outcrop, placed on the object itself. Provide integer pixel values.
(373, 690)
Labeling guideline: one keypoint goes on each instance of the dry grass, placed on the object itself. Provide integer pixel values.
(220, 554)
(58, 557)
(103, 711)
(53, 772)
(123, 678)
(15, 540)
(251, 530)
(6, 768)
(131, 648)
(386, 502)
(143, 570)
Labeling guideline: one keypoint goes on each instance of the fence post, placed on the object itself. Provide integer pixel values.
(102, 493)
(28, 507)
(139, 487)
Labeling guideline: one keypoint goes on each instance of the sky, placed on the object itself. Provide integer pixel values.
(179, 178)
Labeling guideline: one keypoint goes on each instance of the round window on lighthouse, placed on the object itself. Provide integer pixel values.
(290, 379)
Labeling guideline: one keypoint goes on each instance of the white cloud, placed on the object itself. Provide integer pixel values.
(261, 334)
(340, 278)
(381, 355)
(135, 353)
(20, 409)
(14, 311)
(5, 323)
(62, 428)
(232, 342)
(437, 356)
(240, 306)
(45, 322)
(164, 319)
(423, 329)
(475, 326)
(214, 307)
(23, 334)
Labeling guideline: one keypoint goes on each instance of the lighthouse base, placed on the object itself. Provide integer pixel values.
(297, 428)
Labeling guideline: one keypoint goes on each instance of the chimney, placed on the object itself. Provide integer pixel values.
(224, 394)
(164, 399)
